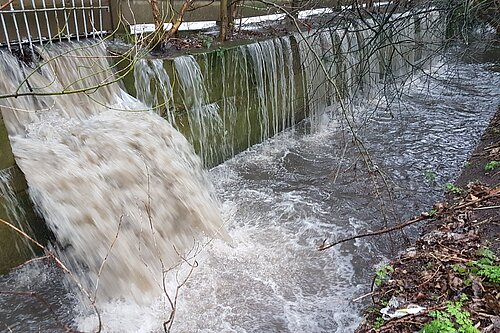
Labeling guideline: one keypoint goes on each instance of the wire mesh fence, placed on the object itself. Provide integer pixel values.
(29, 22)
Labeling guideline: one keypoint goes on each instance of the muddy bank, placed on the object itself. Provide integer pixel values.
(449, 281)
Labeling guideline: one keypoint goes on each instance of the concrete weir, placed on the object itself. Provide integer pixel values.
(15, 208)
(226, 99)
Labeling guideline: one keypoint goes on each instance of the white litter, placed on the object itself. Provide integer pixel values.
(392, 310)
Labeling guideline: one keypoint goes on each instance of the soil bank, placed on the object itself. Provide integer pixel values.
(449, 281)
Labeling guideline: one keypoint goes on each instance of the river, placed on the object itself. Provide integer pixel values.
(280, 199)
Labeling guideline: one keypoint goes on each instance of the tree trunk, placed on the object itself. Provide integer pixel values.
(294, 11)
(158, 35)
(224, 20)
(179, 18)
(155, 10)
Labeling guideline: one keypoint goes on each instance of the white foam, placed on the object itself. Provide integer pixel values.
(122, 191)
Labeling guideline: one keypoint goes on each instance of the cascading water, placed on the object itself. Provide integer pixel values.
(271, 82)
(147, 70)
(344, 65)
(274, 78)
(281, 198)
(257, 80)
(11, 205)
(318, 91)
(122, 191)
(204, 119)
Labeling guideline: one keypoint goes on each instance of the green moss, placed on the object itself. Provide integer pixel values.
(15, 249)
(233, 87)
(491, 166)
(6, 156)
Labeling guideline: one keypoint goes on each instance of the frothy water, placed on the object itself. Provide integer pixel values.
(10, 202)
(79, 150)
(284, 197)
(280, 200)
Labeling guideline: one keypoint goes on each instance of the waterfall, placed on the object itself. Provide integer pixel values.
(315, 84)
(121, 189)
(161, 99)
(273, 69)
(10, 203)
(204, 96)
(228, 99)
(12, 207)
(203, 116)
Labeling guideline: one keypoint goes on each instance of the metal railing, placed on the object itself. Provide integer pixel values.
(28, 22)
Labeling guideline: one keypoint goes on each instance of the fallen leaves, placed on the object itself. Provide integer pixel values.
(442, 267)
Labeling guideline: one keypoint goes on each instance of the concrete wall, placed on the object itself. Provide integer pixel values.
(232, 84)
(6, 156)
(14, 248)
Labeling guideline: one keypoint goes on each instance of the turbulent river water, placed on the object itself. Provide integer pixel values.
(280, 200)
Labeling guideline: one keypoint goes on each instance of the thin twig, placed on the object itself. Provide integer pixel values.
(363, 296)
(432, 277)
(473, 202)
(105, 259)
(22, 233)
(27, 262)
(40, 299)
(59, 264)
(422, 217)
(5, 5)
(487, 207)
(167, 325)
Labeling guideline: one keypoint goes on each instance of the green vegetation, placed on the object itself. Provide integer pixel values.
(465, 272)
(484, 267)
(206, 41)
(491, 165)
(453, 188)
(453, 320)
(492, 273)
(460, 269)
(430, 176)
(486, 253)
(379, 322)
(432, 212)
(382, 274)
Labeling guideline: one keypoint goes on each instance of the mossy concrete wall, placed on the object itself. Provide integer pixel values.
(6, 156)
(252, 103)
(14, 249)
